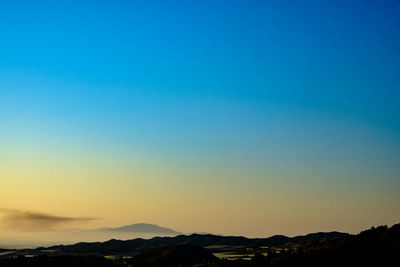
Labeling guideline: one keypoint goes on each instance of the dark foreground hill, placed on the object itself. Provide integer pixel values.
(375, 247)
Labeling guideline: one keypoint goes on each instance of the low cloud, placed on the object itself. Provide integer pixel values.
(19, 220)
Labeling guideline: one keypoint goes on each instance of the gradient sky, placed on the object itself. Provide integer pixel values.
(232, 117)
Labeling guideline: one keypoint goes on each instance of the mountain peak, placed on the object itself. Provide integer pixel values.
(146, 228)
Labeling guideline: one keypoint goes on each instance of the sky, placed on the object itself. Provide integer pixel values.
(246, 118)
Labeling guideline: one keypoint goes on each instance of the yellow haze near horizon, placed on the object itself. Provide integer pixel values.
(189, 199)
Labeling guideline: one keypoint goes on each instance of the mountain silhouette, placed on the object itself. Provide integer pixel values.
(135, 246)
(145, 228)
(376, 247)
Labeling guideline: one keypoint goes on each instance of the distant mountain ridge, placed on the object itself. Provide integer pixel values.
(134, 246)
(142, 228)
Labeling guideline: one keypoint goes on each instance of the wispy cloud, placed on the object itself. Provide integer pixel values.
(36, 221)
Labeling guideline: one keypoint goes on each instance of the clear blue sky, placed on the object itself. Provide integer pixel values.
(307, 91)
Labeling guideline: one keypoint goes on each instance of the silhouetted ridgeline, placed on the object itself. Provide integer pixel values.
(375, 247)
(135, 246)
